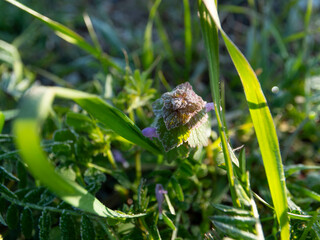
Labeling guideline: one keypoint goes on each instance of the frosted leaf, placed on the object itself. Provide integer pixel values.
(157, 107)
(178, 106)
(181, 119)
(199, 136)
(171, 138)
(195, 132)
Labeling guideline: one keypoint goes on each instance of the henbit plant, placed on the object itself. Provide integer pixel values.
(81, 147)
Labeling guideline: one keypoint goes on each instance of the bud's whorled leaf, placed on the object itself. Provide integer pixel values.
(178, 106)
(180, 119)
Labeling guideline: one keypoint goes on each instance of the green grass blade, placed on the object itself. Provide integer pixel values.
(2, 119)
(36, 106)
(210, 33)
(187, 35)
(263, 124)
(148, 46)
(68, 35)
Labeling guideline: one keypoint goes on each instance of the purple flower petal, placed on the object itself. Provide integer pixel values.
(150, 132)
(159, 195)
(119, 158)
(209, 106)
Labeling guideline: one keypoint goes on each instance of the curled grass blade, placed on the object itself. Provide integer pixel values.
(263, 124)
(36, 106)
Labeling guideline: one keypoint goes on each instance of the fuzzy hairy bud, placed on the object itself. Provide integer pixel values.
(181, 118)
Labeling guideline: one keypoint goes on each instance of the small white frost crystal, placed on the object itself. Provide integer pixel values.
(181, 118)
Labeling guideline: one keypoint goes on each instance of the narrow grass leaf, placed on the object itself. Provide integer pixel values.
(148, 46)
(263, 124)
(210, 33)
(37, 104)
(306, 192)
(2, 120)
(291, 169)
(187, 35)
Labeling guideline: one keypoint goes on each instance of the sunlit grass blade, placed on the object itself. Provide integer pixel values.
(210, 33)
(187, 35)
(36, 106)
(68, 35)
(263, 124)
(2, 119)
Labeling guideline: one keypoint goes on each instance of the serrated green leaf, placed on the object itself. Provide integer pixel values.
(44, 225)
(199, 136)
(173, 138)
(87, 228)
(26, 223)
(12, 217)
(67, 227)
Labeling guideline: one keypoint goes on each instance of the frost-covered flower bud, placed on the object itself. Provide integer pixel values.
(160, 197)
(181, 118)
